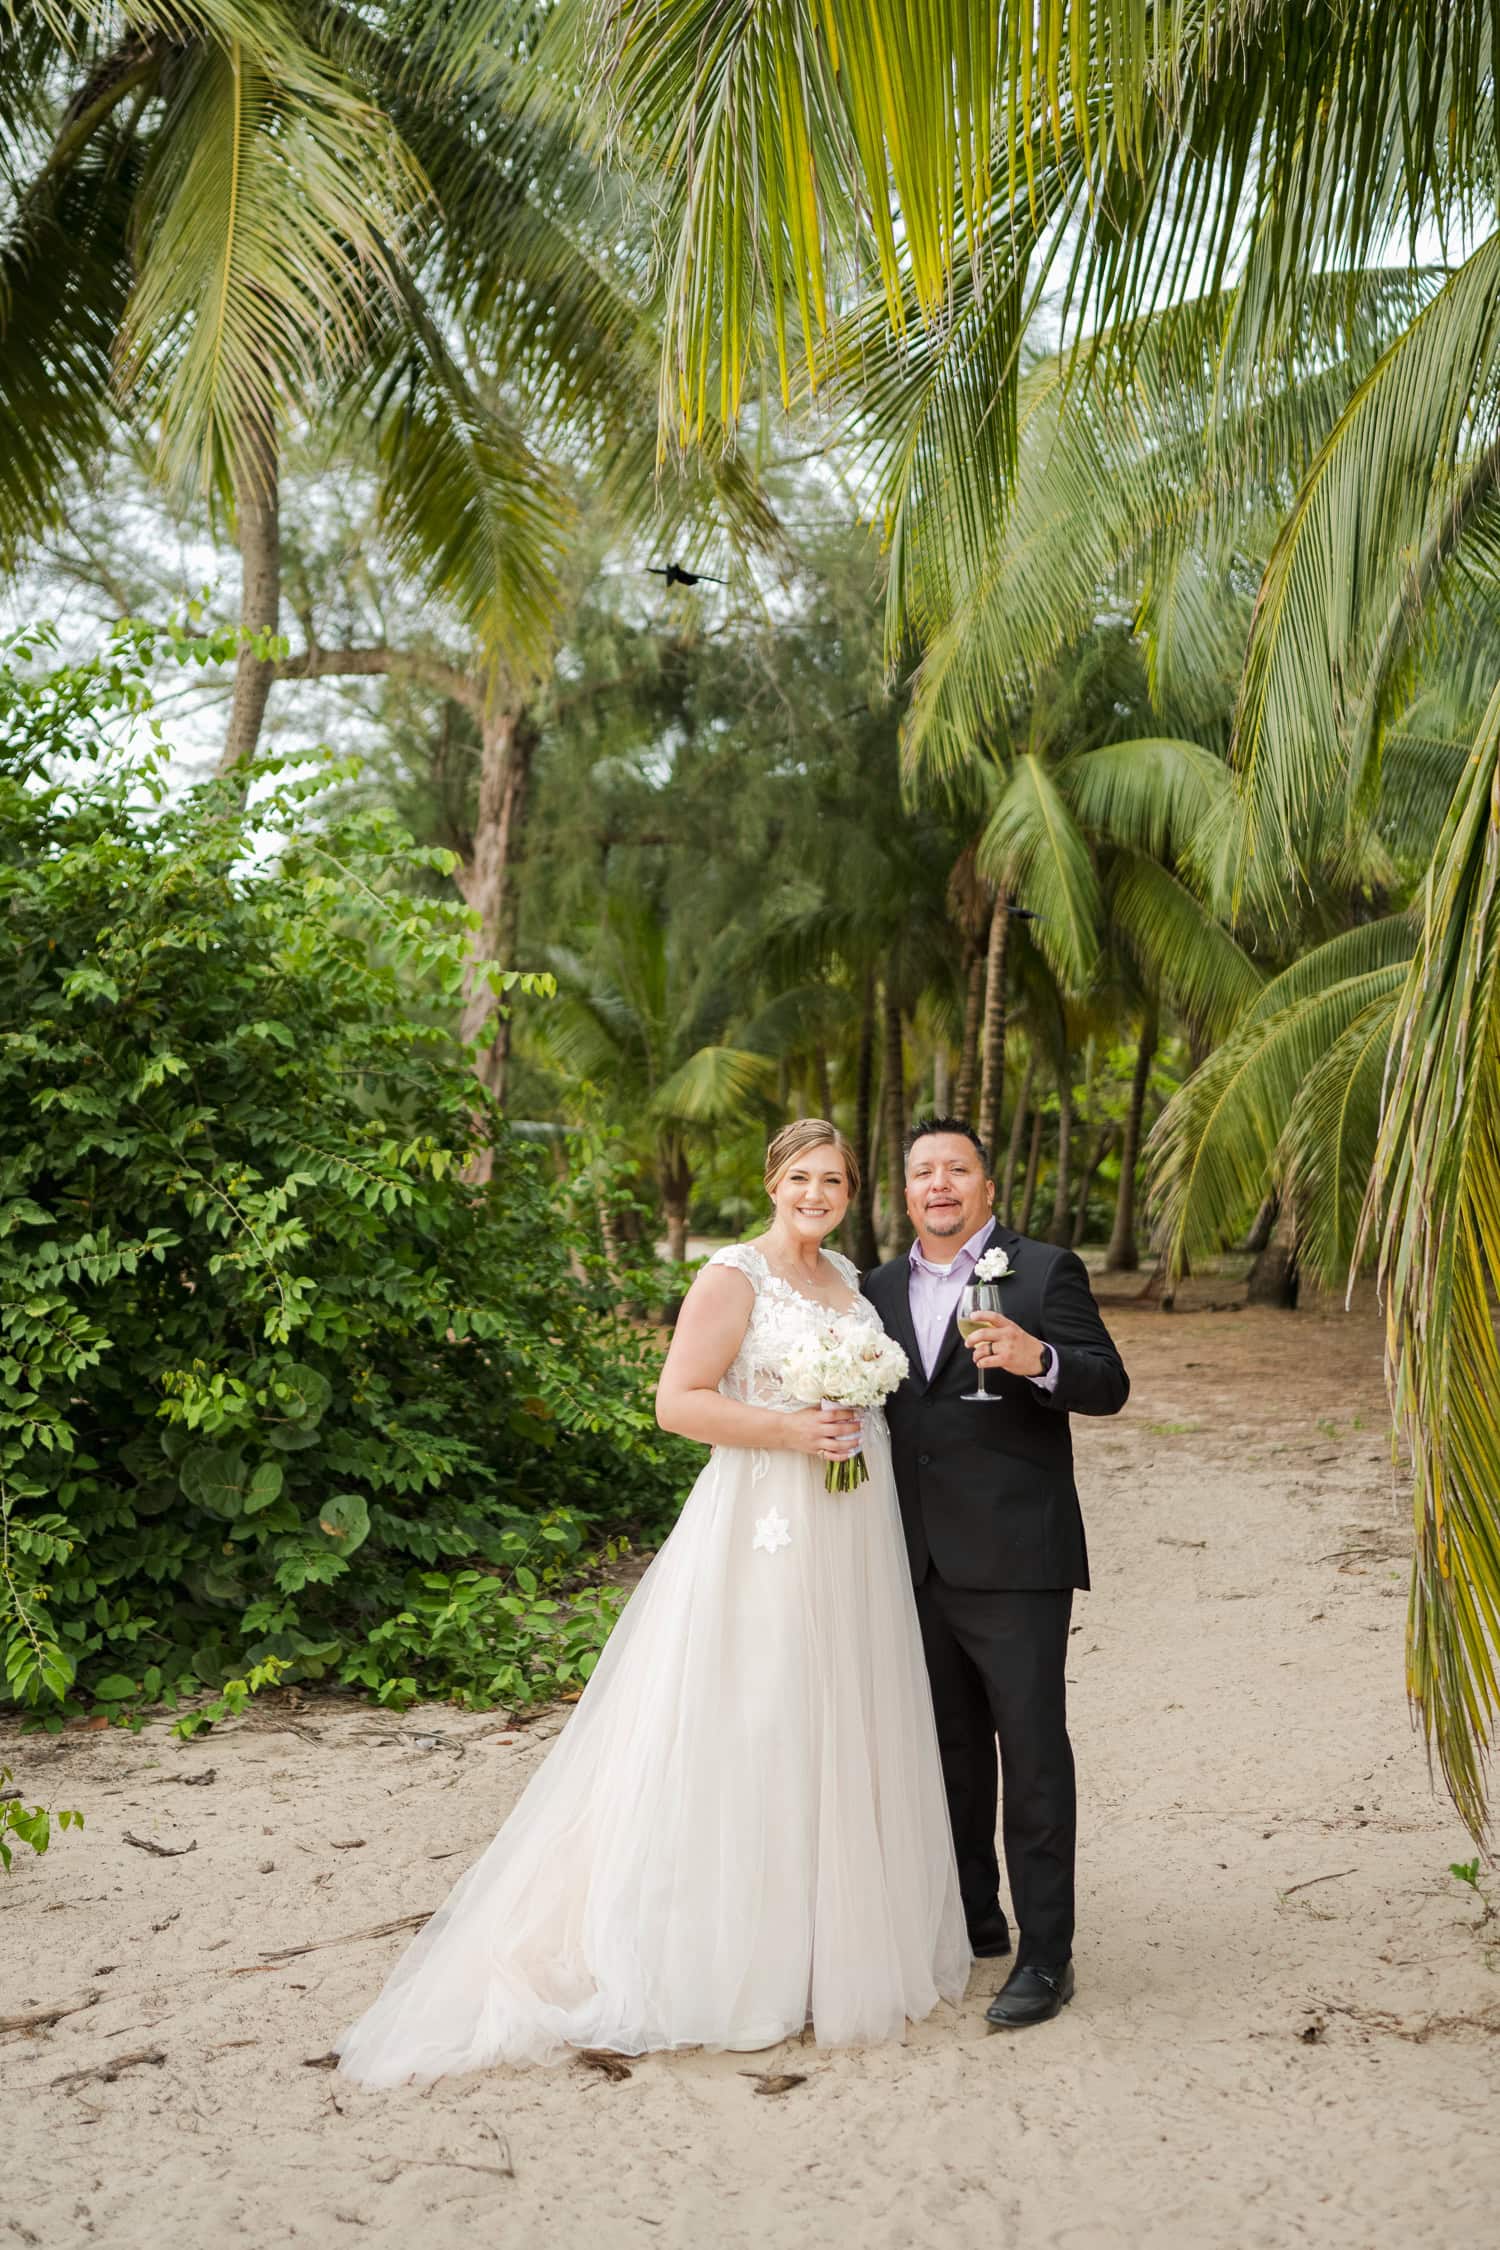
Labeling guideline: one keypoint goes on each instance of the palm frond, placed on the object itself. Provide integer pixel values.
(1182, 951)
(1434, 1207)
(64, 276)
(1212, 1154)
(469, 507)
(789, 131)
(715, 1086)
(1339, 565)
(266, 217)
(1152, 794)
(1326, 1156)
(1033, 845)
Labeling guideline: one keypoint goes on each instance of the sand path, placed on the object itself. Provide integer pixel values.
(1263, 2050)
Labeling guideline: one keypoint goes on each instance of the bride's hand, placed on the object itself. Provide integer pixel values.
(829, 1433)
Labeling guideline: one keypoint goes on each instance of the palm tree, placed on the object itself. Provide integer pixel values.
(1297, 139)
(269, 216)
(645, 1010)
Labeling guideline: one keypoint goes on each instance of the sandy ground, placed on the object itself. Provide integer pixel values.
(1285, 2030)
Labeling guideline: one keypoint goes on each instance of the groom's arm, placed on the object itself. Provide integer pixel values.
(1091, 1377)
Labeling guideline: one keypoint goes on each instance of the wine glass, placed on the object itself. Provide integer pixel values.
(978, 1297)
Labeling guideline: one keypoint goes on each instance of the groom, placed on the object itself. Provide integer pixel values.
(995, 1538)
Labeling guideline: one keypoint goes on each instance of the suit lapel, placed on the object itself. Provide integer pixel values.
(894, 1308)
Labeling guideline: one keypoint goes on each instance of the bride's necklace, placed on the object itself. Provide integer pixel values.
(799, 1285)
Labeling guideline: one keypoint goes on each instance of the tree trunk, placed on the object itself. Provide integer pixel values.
(258, 521)
(1099, 1148)
(942, 1085)
(1273, 1279)
(1033, 1159)
(968, 1053)
(1017, 1128)
(992, 1075)
(825, 1089)
(1260, 1227)
(507, 751)
(1061, 1229)
(893, 1121)
(1124, 1253)
(676, 1180)
(866, 1250)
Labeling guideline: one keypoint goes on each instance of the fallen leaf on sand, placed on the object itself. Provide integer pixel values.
(775, 2081)
(612, 2067)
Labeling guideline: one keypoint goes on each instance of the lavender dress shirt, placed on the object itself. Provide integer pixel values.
(934, 1293)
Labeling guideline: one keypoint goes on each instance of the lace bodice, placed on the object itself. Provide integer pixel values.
(780, 1317)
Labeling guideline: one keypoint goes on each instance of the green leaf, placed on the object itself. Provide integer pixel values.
(344, 1521)
(264, 1487)
(115, 1689)
(217, 1480)
(300, 1394)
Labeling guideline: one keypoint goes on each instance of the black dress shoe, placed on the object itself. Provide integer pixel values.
(1030, 1995)
(989, 1940)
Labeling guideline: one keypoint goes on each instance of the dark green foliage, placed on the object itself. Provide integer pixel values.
(29, 1824)
(280, 1392)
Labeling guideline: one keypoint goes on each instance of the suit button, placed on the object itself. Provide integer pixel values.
(924, 1460)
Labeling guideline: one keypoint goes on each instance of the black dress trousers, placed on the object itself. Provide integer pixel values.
(996, 1661)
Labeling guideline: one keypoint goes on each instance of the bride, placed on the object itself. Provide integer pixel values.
(742, 1830)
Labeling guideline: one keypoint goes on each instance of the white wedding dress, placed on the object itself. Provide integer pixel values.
(742, 1829)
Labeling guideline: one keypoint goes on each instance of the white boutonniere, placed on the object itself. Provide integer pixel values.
(993, 1266)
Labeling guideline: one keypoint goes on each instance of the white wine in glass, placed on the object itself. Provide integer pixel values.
(978, 1297)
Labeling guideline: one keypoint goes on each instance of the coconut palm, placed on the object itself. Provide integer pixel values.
(645, 1010)
(962, 156)
(234, 219)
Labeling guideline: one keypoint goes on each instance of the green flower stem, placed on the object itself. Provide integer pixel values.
(846, 1476)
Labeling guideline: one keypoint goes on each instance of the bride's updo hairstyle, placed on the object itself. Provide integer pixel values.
(796, 1139)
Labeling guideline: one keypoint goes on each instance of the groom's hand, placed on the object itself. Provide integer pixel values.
(1000, 1343)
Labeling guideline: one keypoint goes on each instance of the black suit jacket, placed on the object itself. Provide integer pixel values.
(987, 1492)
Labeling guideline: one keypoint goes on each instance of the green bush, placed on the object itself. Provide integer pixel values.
(281, 1393)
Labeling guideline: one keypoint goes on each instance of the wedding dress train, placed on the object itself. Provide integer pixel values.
(742, 1829)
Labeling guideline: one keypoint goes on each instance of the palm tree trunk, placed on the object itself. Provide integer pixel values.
(676, 1179)
(893, 1119)
(1124, 1253)
(992, 1075)
(1273, 1278)
(825, 1088)
(1033, 1159)
(1061, 1229)
(942, 1084)
(1098, 1150)
(1260, 1227)
(968, 1053)
(257, 507)
(866, 1250)
(1017, 1128)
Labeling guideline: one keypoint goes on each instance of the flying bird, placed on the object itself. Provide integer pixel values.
(675, 575)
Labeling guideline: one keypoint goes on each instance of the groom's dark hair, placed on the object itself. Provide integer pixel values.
(960, 1125)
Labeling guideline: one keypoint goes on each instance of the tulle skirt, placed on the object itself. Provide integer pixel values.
(742, 1829)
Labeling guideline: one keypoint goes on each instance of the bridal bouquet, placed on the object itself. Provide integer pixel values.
(844, 1364)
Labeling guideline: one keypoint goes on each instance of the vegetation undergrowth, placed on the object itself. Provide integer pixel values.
(284, 1395)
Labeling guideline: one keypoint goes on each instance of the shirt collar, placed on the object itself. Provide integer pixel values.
(970, 1250)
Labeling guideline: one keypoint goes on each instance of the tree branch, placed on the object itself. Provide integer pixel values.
(380, 661)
